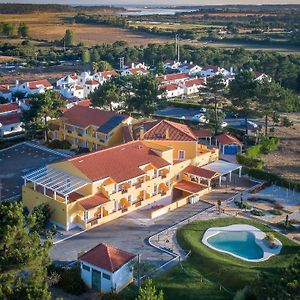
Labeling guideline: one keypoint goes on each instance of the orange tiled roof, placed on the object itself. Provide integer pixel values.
(92, 82)
(12, 118)
(201, 133)
(172, 77)
(189, 186)
(119, 163)
(170, 87)
(93, 201)
(8, 107)
(84, 116)
(107, 257)
(177, 132)
(4, 89)
(108, 73)
(37, 83)
(204, 173)
(227, 139)
(137, 70)
(196, 81)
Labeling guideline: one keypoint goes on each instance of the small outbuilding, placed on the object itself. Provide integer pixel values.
(105, 268)
(228, 144)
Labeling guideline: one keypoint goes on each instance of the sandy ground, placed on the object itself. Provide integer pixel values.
(286, 160)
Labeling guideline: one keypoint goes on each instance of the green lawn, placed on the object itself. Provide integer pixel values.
(191, 281)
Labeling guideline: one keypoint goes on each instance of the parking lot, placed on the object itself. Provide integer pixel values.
(18, 160)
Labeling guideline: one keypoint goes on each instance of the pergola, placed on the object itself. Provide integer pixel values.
(57, 181)
(223, 167)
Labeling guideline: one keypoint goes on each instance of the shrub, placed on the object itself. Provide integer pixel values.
(286, 122)
(249, 162)
(55, 144)
(269, 145)
(257, 212)
(254, 151)
(242, 205)
(71, 282)
(41, 215)
(271, 240)
(275, 212)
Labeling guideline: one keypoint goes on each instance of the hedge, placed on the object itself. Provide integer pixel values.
(274, 178)
(184, 104)
(254, 163)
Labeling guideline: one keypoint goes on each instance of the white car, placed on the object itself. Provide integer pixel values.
(224, 124)
(200, 118)
(250, 124)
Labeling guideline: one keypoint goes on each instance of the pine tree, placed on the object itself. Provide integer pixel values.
(86, 57)
(149, 292)
(23, 258)
(69, 38)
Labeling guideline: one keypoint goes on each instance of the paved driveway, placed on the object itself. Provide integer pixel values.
(18, 160)
(130, 233)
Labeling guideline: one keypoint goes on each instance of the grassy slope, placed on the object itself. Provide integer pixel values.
(231, 272)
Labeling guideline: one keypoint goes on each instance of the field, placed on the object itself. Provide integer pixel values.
(201, 275)
(285, 161)
(174, 26)
(52, 26)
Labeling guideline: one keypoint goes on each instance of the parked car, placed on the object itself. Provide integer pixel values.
(250, 124)
(224, 124)
(200, 118)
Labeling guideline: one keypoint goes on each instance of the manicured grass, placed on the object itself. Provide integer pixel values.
(204, 263)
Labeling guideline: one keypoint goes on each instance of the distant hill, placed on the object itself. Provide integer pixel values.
(35, 8)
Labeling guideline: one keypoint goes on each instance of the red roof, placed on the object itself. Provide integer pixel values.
(204, 173)
(85, 116)
(92, 82)
(192, 82)
(202, 133)
(119, 163)
(214, 68)
(137, 70)
(107, 257)
(190, 187)
(108, 73)
(177, 132)
(84, 102)
(4, 89)
(12, 118)
(36, 84)
(227, 139)
(8, 107)
(169, 87)
(93, 201)
(172, 77)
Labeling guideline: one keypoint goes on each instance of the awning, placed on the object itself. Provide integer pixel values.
(201, 172)
(93, 201)
(222, 167)
(190, 187)
(56, 180)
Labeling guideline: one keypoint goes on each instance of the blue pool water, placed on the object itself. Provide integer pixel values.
(239, 243)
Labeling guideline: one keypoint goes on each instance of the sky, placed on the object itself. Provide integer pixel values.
(154, 2)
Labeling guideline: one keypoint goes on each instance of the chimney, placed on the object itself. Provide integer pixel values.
(167, 134)
(17, 82)
(142, 132)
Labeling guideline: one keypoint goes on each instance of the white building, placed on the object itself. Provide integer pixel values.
(10, 119)
(101, 77)
(135, 65)
(5, 92)
(84, 76)
(171, 64)
(175, 78)
(192, 86)
(262, 76)
(190, 68)
(72, 91)
(209, 71)
(105, 268)
(134, 71)
(67, 80)
(33, 87)
(173, 90)
(89, 87)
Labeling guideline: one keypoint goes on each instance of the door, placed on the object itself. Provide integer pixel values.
(96, 280)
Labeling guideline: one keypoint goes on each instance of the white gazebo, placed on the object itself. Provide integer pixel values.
(55, 180)
(223, 167)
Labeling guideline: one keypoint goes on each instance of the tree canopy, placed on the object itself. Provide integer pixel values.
(148, 292)
(23, 258)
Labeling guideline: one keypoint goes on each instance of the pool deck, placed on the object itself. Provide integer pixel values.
(259, 239)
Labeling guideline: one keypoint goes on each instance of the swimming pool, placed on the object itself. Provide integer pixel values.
(243, 241)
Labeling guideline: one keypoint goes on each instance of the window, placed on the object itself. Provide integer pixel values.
(155, 173)
(129, 198)
(177, 177)
(106, 276)
(155, 189)
(86, 215)
(181, 154)
(86, 268)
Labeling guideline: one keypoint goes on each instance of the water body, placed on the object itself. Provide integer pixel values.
(240, 243)
(154, 11)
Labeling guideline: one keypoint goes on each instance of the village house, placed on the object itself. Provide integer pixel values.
(134, 71)
(72, 91)
(89, 87)
(171, 64)
(209, 71)
(172, 91)
(95, 188)
(5, 92)
(10, 119)
(33, 87)
(190, 68)
(135, 65)
(105, 268)
(175, 78)
(86, 127)
(101, 77)
(192, 86)
(67, 81)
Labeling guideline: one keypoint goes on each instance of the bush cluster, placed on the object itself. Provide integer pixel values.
(55, 144)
